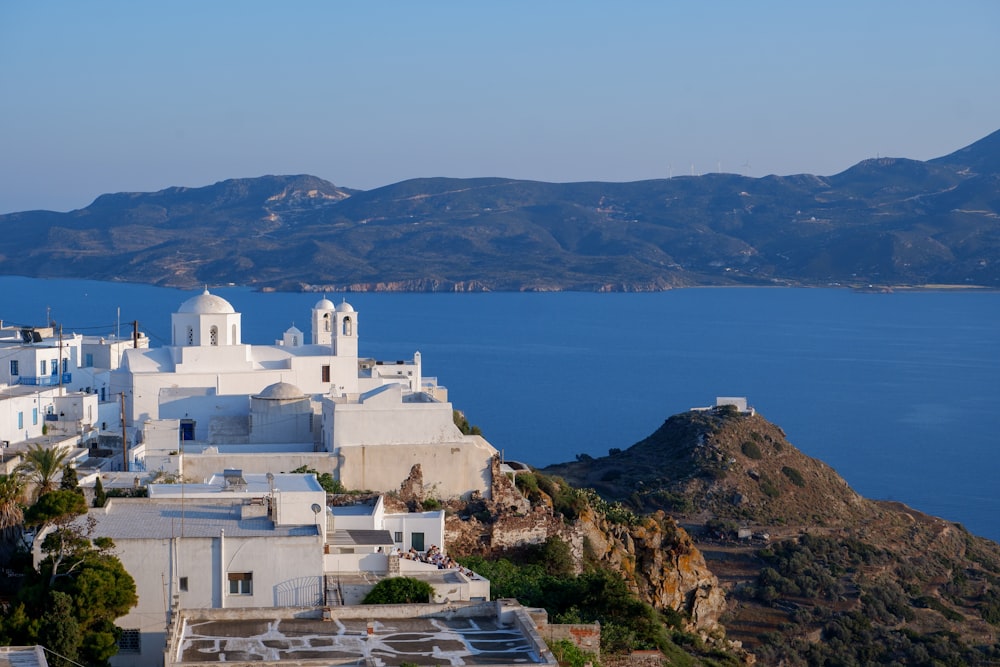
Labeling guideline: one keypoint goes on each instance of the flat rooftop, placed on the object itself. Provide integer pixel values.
(391, 642)
(22, 656)
(256, 485)
(144, 518)
(500, 634)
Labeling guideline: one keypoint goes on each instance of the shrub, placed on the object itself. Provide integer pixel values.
(326, 480)
(768, 488)
(399, 590)
(570, 655)
(751, 450)
(794, 475)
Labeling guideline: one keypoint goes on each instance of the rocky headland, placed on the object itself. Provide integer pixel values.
(717, 517)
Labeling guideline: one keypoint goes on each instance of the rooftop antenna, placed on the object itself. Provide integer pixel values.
(670, 170)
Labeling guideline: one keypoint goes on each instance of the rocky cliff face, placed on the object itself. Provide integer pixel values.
(655, 555)
(661, 562)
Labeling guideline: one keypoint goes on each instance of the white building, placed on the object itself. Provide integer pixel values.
(41, 365)
(257, 540)
(378, 436)
(208, 373)
(38, 357)
(278, 407)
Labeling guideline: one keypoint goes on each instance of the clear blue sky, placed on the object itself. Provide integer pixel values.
(137, 96)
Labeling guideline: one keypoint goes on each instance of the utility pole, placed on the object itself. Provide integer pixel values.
(60, 362)
(135, 333)
(124, 438)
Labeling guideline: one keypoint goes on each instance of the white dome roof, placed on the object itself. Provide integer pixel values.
(293, 330)
(344, 307)
(324, 304)
(281, 390)
(206, 303)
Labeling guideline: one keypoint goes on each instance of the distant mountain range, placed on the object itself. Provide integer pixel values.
(883, 222)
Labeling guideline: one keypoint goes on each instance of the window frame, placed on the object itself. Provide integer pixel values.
(130, 641)
(240, 584)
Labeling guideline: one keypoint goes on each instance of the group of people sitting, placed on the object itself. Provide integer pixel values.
(432, 556)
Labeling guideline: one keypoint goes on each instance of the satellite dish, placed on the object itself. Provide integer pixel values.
(316, 508)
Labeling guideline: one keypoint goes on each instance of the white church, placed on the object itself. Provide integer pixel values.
(209, 401)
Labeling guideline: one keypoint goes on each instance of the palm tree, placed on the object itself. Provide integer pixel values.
(11, 513)
(41, 465)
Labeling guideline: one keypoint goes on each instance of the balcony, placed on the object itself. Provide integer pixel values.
(46, 380)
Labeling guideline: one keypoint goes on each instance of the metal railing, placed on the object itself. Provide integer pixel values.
(46, 380)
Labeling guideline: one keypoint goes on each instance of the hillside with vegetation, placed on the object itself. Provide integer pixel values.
(813, 573)
(883, 222)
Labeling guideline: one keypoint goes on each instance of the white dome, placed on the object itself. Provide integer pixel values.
(206, 303)
(293, 330)
(324, 304)
(344, 307)
(281, 390)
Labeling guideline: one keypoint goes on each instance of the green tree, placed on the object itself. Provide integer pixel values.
(463, 424)
(41, 465)
(99, 496)
(82, 568)
(11, 513)
(17, 627)
(399, 590)
(102, 590)
(556, 558)
(59, 631)
(59, 509)
(69, 481)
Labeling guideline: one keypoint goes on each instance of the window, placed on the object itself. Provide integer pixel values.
(34, 416)
(190, 335)
(65, 366)
(348, 329)
(55, 366)
(20, 420)
(241, 583)
(42, 367)
(213, 336)
(326, 374)
(397, 537)
(295, 341)
(88, 360)
(326, 321)
(14, 369)
(130, 641)
(183, 583)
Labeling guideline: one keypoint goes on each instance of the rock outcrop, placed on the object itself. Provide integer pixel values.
(656, 556)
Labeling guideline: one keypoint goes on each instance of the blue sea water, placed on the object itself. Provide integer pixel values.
(900, 393)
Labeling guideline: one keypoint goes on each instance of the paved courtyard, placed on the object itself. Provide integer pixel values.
(390, 642)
